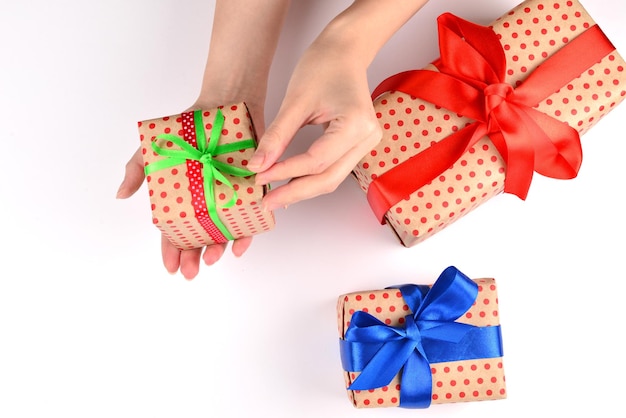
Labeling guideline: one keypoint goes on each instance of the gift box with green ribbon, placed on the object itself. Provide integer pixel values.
(502, 102)
(200, 190)
(415, 345)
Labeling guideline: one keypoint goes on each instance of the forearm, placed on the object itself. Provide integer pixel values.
(365, 26)
(242, 47)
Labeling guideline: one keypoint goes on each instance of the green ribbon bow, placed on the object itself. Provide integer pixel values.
(212, 169)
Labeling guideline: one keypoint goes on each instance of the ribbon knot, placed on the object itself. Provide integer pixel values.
(496, 94)
(430, 334)
(206, 158)
(528, 140)
(412, 330)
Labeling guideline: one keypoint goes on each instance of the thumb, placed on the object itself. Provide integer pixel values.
(275, 139)
(133, 176)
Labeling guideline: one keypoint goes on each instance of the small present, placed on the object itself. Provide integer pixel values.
(200, 190)
(500, 103)
(412, 346)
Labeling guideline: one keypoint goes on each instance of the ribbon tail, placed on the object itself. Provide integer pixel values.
(209, 175)
(531, 141)
(356, 354)
(384, 366)
(512, 141)
(558, 152)
(417, 382)
(232, 170)
(217, 175)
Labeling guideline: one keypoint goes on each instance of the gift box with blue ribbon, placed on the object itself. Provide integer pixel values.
(414, 345)
(200, 190)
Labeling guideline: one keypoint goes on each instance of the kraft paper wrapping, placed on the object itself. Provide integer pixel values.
(455, 381)
(529, 34)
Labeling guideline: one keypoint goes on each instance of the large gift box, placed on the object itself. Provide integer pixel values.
(200, 191)
(501, 102)
(416, 345)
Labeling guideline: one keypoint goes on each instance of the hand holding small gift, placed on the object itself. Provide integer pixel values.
(328, 87)
(236, 71)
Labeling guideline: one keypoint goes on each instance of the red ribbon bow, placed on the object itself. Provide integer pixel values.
(471, 82)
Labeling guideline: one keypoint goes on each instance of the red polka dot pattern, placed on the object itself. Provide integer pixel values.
(177, 195)
(529, 34)
(458, 381)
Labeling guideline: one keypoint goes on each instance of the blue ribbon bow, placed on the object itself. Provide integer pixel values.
(429, 335)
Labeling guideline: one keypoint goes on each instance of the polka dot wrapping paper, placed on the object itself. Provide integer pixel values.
(529, 36)
(479, 377)
(200, 191)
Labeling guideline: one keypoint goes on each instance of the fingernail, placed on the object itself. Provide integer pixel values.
(266, 208)
(269, 207)
(256, 161)
(259, 181)
(119, 193)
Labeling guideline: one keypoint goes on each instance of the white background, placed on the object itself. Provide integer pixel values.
(91, 325)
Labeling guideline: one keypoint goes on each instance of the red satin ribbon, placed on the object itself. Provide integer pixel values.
(470, 82)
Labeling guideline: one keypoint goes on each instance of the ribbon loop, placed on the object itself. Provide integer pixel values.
(206, 158)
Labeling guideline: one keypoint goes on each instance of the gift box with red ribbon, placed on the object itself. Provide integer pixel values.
(501, 102)
(200, 190)
(413, 345)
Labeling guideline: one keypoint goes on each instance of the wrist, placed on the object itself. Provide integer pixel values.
(341, 39)
(230, 86)
(362, 29)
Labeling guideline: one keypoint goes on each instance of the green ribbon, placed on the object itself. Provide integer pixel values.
(212, 169)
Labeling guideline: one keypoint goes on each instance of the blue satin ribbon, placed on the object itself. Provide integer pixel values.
(428, 335)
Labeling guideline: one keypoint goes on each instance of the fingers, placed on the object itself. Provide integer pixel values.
(188, 261)
(276, 138)
(170, 255)
(309, 186)
(337, 140)
(241, 245)
(213, 253)
(323, 167)
(133, 176)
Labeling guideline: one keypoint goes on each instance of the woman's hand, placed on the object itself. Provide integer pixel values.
(327, 88)
(236, 70)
